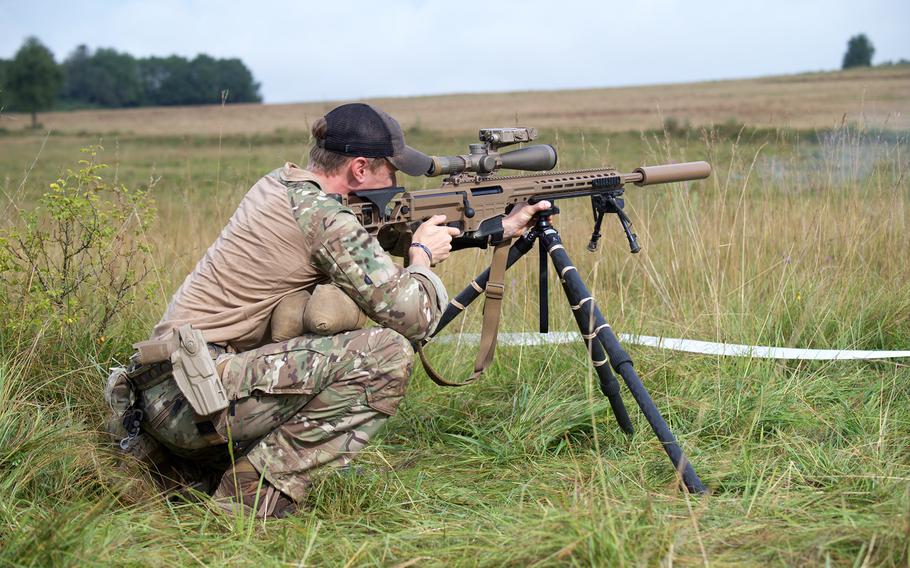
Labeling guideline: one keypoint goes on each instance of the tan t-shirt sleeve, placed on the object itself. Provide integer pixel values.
(410, 302)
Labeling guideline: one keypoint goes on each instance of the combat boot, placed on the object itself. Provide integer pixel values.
(242, 488)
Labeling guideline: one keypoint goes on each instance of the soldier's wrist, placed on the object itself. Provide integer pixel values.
(510, 228)
(417, 257)
(420, 255)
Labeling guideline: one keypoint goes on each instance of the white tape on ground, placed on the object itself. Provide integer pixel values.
(687, 345)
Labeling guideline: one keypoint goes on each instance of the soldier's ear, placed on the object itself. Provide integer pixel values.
(359, 168)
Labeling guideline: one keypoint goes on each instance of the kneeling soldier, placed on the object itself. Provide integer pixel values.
(293, 391)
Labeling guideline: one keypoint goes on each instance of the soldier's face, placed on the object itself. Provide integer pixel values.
(383, 176)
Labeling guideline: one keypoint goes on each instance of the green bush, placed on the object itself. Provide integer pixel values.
(76, 259)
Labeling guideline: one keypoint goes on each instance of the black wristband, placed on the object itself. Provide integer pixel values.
(425, 249)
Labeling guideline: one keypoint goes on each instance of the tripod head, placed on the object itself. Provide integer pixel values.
(542, 218)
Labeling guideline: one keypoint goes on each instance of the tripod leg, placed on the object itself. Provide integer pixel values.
(475, 289)
(609, 386)
(543, 289)
(581, 301)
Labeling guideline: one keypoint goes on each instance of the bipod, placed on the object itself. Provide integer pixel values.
(602, 345)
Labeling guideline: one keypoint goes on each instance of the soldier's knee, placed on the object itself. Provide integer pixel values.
(393, 360)
(395, 350)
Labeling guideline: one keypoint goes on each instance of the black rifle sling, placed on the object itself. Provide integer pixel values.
(492, 310)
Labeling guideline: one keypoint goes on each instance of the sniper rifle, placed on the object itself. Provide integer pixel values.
(474, 200)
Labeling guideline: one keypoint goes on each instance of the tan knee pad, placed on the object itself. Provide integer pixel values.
(331, 311)
(326, 311)
(287, 317)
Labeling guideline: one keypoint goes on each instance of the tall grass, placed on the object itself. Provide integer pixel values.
(797, 239)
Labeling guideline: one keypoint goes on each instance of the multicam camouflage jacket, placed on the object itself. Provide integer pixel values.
(288, 235)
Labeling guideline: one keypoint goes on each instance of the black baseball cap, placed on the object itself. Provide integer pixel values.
(359, 129)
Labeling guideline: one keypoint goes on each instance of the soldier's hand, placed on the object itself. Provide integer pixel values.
(519, 219)
(436, 237)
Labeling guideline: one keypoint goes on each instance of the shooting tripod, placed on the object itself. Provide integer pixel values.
(602, 345)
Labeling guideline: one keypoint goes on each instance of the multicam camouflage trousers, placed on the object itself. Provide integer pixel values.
(311, 401)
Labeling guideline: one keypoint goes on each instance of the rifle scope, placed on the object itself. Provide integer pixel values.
(484, 162)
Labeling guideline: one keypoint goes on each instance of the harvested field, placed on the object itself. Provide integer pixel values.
(870, 97)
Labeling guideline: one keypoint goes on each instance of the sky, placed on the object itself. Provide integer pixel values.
(341, 50)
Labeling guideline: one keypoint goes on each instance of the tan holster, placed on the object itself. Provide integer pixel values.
(191, 365)
(195, 374)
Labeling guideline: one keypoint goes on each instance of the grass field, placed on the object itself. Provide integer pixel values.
(799, 238)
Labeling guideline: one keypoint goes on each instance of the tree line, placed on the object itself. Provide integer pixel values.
(33, 81)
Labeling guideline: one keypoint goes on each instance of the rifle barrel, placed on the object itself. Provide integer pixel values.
(670, 173)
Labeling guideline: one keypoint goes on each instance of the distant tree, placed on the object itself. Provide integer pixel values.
(76, 71)
(204, 87)
(175, 81)
(237, 80)
(175, 84)
(154, 72)
(33, 79)
(4, 64)
(859, 52)
(105, 78)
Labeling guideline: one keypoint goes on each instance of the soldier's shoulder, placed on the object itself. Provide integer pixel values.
(315, 210)
(308, 201)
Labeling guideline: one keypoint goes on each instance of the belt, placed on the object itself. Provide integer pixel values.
(145, 377)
